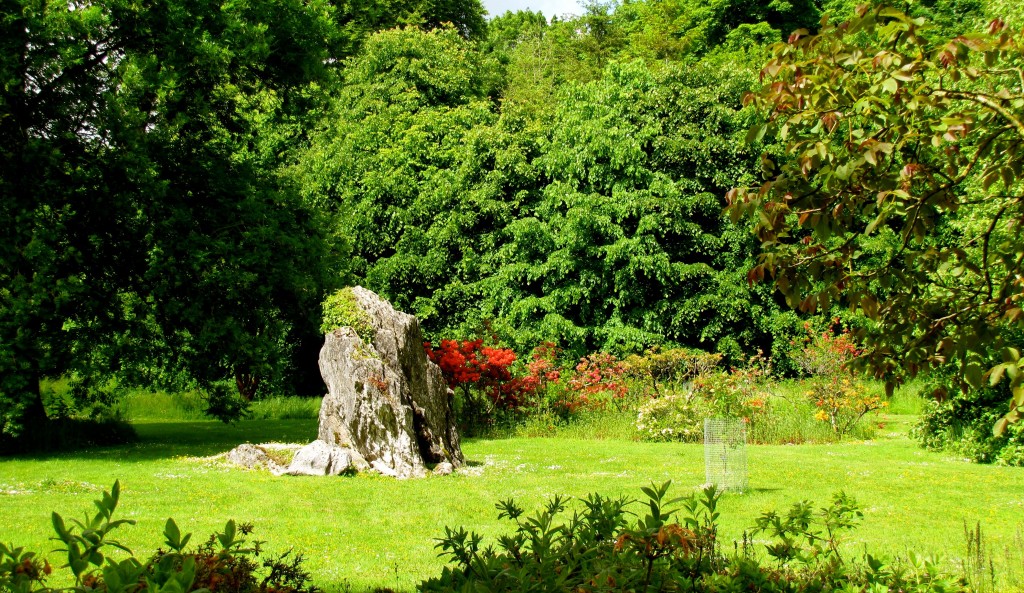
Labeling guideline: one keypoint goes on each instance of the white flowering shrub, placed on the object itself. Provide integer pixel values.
(672, 418)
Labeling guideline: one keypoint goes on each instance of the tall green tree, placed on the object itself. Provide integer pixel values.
(356, 20)
(669, 29)
(625, 246)
(537, 60)
(396, 159)
(143, 222)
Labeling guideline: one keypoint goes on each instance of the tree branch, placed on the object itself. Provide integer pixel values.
(986, 101)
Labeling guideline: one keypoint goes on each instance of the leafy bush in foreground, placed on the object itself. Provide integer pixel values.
(674, 546)
(603, 546)
(223, 563)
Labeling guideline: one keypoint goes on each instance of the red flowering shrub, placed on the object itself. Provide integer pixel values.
(541, 372)
(468, 365)
(598, 378)
(600, 372)
(458, 361)
(825, 353)
(495, 376)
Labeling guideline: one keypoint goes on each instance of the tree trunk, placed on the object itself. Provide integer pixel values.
(32, 430)
(35, 413)
(247, 384)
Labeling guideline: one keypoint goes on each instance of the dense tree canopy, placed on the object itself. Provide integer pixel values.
(591, 218)
(182, 183)
(147, 231)
(142, 212)
(625, 247)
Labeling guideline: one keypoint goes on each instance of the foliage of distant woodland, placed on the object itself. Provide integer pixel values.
(182, 185)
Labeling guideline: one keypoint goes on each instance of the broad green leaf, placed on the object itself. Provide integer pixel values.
(756, 133)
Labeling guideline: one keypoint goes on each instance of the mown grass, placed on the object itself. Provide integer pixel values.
(364, 532)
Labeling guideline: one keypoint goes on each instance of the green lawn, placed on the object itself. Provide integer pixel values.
(367, 532)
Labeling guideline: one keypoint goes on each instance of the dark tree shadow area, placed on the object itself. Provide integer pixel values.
(162, 440)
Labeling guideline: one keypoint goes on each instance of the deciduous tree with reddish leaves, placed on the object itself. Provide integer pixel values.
(900, 192)
(543, 370)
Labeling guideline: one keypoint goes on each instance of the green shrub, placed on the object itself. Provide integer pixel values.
(961, 423)
(794, 417)
(907, 400)
(584, 425)
(597, 548)
(673, 418)
(673, 546)
(680, 417)
(962, 429)
(224, 403)
(670, 369)
(224, 562)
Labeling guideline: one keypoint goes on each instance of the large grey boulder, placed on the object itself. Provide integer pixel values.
(386, 401)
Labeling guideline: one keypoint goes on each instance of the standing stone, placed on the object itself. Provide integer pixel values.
(386, 401)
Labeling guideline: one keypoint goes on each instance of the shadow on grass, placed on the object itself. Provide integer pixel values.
(205, 437)
(201, 438)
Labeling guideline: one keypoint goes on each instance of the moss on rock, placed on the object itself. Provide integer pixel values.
(341, 309)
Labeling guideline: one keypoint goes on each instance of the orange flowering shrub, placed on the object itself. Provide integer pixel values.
(542, 372)
(842, 401)
(825, 353)
(841, 398)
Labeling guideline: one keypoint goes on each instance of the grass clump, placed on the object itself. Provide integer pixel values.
(286, 408)
(584, 425)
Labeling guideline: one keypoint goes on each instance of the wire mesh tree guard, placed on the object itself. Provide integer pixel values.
(725, 453)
